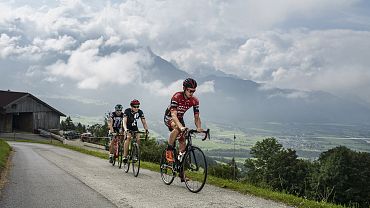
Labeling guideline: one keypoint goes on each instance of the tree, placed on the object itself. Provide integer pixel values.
(67, 125)
(276, 167)
(343, 176)
(224, 170)
(80, 128)
(259, 167)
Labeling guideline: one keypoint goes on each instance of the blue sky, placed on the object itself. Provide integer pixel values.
(307, 45)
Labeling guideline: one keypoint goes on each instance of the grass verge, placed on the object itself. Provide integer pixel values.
(243, 188)
(4, 154)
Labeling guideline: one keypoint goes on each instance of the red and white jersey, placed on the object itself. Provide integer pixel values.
(181, 104)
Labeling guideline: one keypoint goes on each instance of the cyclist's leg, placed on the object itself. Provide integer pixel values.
(111, 147)
(182, 143)
(138, 139)
(175, 131)
(171, 140)
(127, 143)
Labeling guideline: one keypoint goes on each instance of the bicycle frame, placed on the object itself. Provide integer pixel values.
(118, 140)
(133, 153)
(192, 161)
(134, 136)
(189, 146)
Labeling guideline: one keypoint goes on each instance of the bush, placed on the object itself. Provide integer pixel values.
(151, 151)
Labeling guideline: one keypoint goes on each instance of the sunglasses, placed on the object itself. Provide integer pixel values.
(135, 106)
(119, 110)
(190, 91)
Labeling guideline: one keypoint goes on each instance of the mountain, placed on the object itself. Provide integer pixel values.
(241, 101)
(233, 101)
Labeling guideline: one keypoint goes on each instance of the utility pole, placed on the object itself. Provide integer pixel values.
(234, 158)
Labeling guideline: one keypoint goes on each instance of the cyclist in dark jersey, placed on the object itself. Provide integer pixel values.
(130, 117)
(115, 126)
(173, 118)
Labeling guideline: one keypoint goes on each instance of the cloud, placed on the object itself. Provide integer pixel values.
(291, 95)
(91, 70)
(76, 98)
(206, 87)
(61, 44)
(158, 88)
(9, 46)
(306, 45)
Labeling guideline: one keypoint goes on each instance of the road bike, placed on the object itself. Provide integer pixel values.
(191, 167)
(133, 156)
(117, 149)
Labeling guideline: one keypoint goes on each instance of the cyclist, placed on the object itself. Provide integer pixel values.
(130, 117)
(173, 118)
(115, 126)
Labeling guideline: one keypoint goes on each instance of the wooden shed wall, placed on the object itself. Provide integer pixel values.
(6, 123)
(27, 104)
(46, 120)
(41, 116)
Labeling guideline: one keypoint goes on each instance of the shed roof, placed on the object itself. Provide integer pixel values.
(10, 97)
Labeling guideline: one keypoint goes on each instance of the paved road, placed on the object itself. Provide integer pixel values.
(48, 176)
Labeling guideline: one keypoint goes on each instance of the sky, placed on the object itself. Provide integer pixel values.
(307, 45)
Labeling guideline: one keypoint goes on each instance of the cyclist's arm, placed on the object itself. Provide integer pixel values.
(110, 124)
(197, 122)
(175, 119)
(144, 123)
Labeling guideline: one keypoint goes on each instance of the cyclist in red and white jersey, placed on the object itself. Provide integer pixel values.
(173, 118)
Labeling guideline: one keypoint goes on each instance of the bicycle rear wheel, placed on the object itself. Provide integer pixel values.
(115, 154)
(114, 160)
(194, 167)
(135, 159)
(167, 169)
(120, 156)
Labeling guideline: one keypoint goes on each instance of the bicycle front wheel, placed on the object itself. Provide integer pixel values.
(135, 159)
(167, 169)
(194, 167)
(126, 166)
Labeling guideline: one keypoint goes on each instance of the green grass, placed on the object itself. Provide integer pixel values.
(4, 153)
(243, 188)
(288, 199)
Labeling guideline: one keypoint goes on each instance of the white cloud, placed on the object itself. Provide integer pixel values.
(263, 41)
(158, 88)
(61, 44)
(206, 87)
(291, 95)
(92, 70)
(76, 98)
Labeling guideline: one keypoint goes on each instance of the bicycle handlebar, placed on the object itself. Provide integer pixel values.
(194, 131)
(139, 132)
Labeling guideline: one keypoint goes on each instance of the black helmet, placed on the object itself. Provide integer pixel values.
(189, 83)
(118, 107)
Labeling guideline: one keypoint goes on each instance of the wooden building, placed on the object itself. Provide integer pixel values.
(21, 111)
